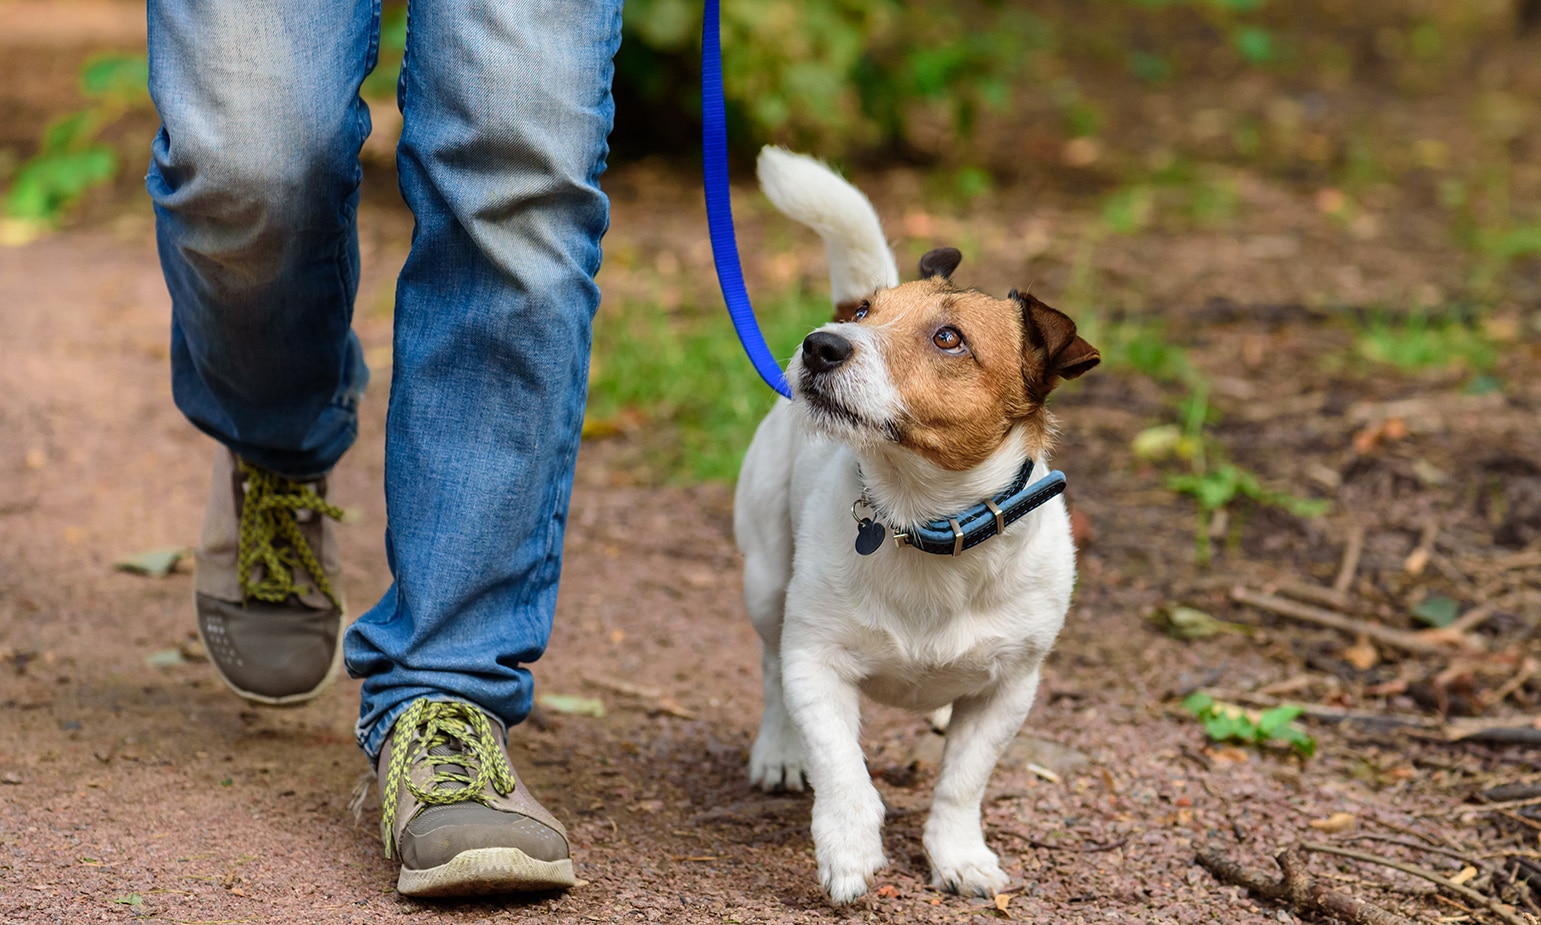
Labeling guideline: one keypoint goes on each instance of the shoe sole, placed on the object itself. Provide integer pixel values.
(288, 700)
(487, 870)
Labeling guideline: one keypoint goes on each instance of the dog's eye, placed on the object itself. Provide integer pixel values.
(861, 310)
(948, 339)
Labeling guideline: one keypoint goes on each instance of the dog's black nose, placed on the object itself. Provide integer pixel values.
(823, 351)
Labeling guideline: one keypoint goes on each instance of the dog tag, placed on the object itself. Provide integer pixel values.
(870, 535)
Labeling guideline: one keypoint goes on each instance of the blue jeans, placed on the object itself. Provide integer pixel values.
(255, 179)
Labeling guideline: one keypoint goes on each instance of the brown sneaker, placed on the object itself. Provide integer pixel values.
(267, 589)
(455, 815)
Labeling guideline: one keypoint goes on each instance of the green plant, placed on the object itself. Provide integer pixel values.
(1211, 481)
(70, 159)
(1422, 340)
(684, 377)
(827, 74)
(1227, 722)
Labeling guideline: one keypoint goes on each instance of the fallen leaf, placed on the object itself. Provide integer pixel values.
(152, 563)
(1003, 900)
(1436, 610)
(1335, 823)
(165, 658)
(1191, 623)
(1362, 654)
(132, 899)
(572, 704)
(887, 890)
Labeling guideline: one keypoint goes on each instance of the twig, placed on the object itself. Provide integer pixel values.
(1313, 594)
(1473, 860)
(1084, 848)
(1528, 668)
(1467, 893)
(1296, 890)
(1402, 639)
(1351, 550)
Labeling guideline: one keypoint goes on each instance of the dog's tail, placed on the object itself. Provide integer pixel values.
(860, 260)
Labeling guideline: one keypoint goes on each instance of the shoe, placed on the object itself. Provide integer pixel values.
(267, 587)
(454, 814)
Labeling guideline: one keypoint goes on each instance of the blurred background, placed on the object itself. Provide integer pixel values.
(1383, 158)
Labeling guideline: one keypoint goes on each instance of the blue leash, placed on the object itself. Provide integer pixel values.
(719, 207)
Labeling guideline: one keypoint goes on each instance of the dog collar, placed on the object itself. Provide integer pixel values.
(950, 536)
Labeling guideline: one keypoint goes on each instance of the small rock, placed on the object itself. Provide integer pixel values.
(10, 777)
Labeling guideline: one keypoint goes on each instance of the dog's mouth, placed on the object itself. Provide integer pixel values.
(834, 416)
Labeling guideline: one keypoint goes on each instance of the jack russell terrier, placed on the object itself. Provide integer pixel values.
(902, 536)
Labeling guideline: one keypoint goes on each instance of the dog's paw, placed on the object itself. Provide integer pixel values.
(776, 763)
(848, 840)
(976, 874)
(847, 871)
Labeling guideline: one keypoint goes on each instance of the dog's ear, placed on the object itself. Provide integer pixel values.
(1066, 354)
(940, 262)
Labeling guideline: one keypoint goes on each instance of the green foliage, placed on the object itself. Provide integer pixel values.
(684, 376)
(1227, 722)
(823, 74)
(70, 160)
(381, 82)
(1425, 341)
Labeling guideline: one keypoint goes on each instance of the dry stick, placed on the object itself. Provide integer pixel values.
(1351, 550)
(1402, 639)
(1297, 891)
(1493, 905)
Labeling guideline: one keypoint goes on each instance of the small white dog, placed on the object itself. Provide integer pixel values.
(918, 411)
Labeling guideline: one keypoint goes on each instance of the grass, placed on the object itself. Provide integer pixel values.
(1426, 341)
(684, 377)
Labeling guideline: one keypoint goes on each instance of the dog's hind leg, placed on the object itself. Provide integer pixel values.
(979, 732)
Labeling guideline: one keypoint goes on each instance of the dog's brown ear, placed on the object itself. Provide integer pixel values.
(940, 262)
(1050, 329)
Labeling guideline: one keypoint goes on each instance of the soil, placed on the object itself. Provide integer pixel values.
(133, 785)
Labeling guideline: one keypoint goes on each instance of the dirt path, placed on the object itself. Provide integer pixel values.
(129, 790)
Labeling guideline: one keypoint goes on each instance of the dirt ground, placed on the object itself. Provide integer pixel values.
(133, 785)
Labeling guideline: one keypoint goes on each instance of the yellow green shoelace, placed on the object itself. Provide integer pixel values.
(428, 724)
(271, 538)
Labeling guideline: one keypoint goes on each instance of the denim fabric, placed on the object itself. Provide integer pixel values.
(255, 176)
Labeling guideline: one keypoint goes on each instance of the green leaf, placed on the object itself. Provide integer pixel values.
(1436, 610)
(1254, 44)
(118, 77)
(1276, 719)
(132, 899)
(1198, 703)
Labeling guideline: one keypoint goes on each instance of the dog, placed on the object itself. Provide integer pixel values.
(919, 411)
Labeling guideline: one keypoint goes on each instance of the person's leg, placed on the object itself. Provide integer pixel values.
(254, 177)
(506, 111)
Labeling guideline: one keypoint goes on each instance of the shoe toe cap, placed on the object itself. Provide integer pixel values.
(438, 833)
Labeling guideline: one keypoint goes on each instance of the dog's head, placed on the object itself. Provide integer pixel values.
(943, 371)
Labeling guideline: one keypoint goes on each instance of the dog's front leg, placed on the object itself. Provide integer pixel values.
(847, 811)
(979, 732)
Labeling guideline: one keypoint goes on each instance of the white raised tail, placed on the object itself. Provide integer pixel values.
(808, 191)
